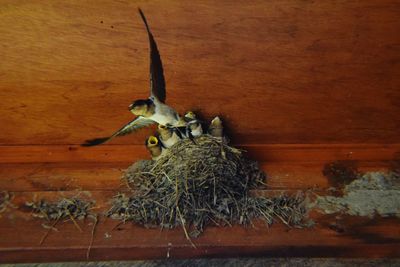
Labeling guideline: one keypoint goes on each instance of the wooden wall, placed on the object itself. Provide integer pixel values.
(278, 71)
(300, 83)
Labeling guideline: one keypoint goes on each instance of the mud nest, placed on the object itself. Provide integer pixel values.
(197, 183)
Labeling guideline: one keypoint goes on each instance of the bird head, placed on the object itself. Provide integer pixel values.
(162, 127)
(216, 129)
(165, 132)
(142, 107)
(152, 141)
(216, 122)
(190, 115)
(154, 147)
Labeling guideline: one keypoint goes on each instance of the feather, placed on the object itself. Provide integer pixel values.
(96, 141)
(131, 126)
(157, 81)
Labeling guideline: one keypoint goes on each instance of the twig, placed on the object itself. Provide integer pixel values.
(73, 220)
(92, 237)
(48, 232)
(118, 224)
(184, 228)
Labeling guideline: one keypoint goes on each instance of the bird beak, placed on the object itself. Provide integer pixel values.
(152, 141)
(216, 121)
(190, 115)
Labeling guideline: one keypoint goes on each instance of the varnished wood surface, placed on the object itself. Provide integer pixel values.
(277, 71)
(269, 153)
(359, 238)
(334, 236)
(350, 237)
(298, 83)
(60, 168)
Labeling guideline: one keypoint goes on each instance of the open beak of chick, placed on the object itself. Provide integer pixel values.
(165, 132)
(216, 128)
(154, 147)
(167, 136)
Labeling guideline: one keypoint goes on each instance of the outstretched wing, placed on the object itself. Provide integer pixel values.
(132, 126)
(157, 81)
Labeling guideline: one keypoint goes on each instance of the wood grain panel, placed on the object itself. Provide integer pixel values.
(359, 237)
(68, 173)
(66, 176)
(319, 153)
(278, 71)
(298, 83)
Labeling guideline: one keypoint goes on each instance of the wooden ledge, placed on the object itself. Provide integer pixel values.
(268, 153)
(52, 172)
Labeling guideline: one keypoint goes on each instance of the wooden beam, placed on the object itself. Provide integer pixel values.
(262, 152)
(350, 237)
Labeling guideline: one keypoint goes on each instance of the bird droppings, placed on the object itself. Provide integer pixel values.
(107, 235)
(373, 193)
(198, 183)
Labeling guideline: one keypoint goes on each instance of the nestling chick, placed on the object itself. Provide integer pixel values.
(154, 147)
(216, 129)
(193, 127)
(168, 136)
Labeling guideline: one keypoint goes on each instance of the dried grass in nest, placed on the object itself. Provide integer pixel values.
(199, 183)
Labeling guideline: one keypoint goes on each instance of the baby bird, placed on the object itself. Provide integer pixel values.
(193, 127)
(168, 136)
(153, 109)
(154, 147)
(216, 129)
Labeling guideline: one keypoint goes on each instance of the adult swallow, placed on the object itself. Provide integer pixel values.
(153, 145)
(154, 108)
(151, 110)
(168, 136)
(216, 128)
(193, 127)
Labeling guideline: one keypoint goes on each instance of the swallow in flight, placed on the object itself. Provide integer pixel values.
(151, 110)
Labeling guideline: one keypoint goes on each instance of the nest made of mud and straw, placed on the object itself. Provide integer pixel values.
(66, 208)
(199, 183)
